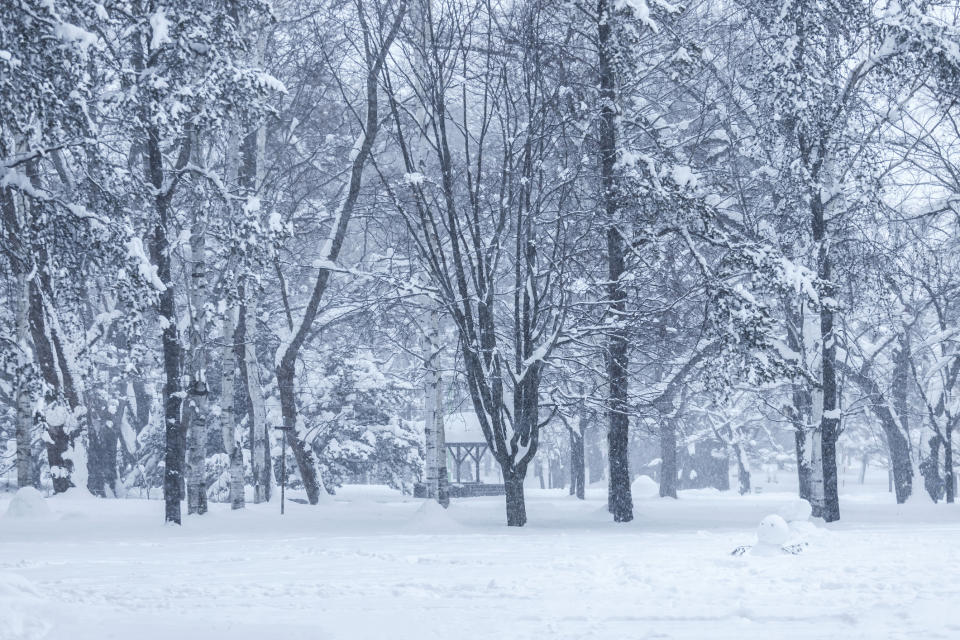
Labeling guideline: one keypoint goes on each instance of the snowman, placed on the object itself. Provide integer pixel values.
(772, 535)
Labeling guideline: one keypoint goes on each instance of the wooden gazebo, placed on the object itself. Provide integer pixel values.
(465, 443)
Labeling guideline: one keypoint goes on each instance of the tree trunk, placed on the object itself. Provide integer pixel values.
(24, 381)
(430, 397)
(289, 350)
(53, 415)
(830, 417)
(577, 471)
(513, 485)
(620, 500)
(227, 419)
(593, 453)
(199, 390)
(259, 441)
(102, 453)
(743, 474)
(801, 437)
(668, 457)
(160, 255)
(893, 423)
(443, 480)
(948, 476)
(301, 453)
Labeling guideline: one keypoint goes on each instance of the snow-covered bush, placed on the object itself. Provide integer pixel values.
(355, 423)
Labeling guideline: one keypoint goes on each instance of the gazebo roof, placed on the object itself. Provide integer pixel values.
(462, 428)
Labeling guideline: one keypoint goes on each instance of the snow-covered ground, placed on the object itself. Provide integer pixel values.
(374, 564)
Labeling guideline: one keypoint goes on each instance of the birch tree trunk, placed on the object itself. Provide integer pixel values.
(227, 420)
(199, 391)
(14, 240)
(430, 397)
(443, 481)
(260, 446)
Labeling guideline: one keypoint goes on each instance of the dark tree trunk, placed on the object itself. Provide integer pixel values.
(175, 448)
(894, 430)
(668, 458)
(620, 500)
(301, 453)
(743, 474)
(513, 486)
(593, 453)
(930, 469)
(948, 477)
(102, 458)
(577, 472)
(58, 440)
(285, 369)
(830, 420)
(902, 468)
(798, 413)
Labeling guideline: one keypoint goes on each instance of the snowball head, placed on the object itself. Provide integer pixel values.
(27, 502)
(797, 510)
(773, 530)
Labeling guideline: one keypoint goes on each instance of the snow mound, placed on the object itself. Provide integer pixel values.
(797, 510)
(773, 530)
(645, 487)
(28, 503)
(431, 517)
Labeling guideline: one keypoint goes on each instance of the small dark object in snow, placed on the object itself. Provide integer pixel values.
(792, 549)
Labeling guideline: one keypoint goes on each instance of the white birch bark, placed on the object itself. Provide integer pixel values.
(430, 402)
(260, 451)
(812, 442)
(199, 408)
(227, 419)
(443, 490)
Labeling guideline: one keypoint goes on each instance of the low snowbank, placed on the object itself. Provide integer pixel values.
(27, 502)
(431, 517)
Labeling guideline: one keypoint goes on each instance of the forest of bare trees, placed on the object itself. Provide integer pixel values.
(629, 236)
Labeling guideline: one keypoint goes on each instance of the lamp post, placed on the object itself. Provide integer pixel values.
(283, 464)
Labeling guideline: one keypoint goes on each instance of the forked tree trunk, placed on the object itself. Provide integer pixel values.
(289, 350)
(301, 453)
(893, 423)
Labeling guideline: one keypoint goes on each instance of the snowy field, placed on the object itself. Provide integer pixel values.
(374, 564)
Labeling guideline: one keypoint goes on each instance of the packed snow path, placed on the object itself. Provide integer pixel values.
(366, 566)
